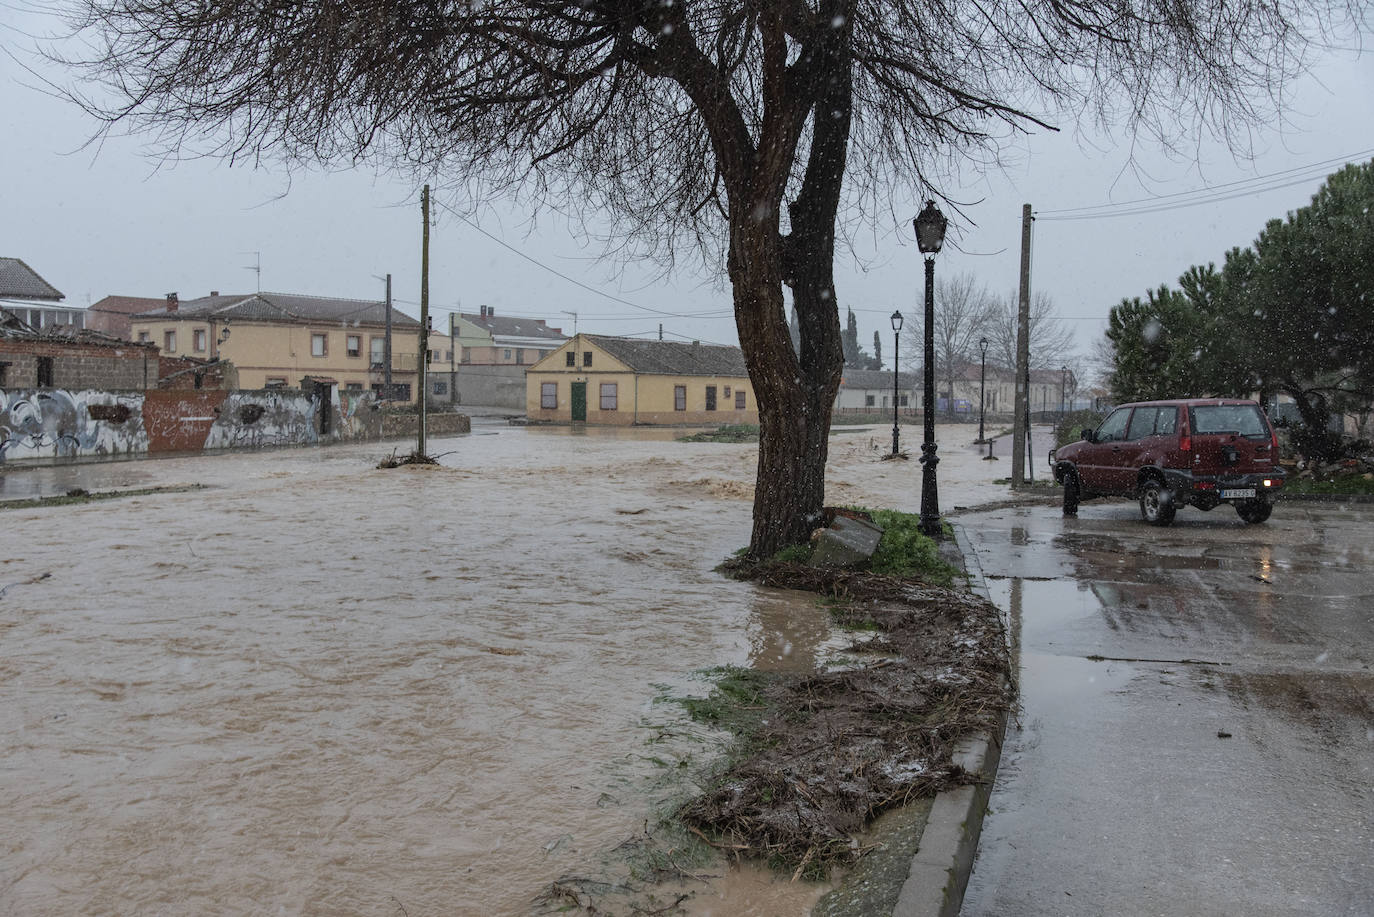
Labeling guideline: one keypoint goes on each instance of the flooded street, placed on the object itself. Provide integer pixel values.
(315, 687)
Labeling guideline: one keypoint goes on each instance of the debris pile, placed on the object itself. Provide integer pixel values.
(834, 749)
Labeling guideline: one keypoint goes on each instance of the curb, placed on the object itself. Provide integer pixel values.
(940, 871)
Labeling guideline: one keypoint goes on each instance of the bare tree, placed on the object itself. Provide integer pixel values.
(963, 309)
(735, 128)
(1051, 341)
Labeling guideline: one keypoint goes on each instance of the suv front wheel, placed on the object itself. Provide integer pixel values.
(1156, 503)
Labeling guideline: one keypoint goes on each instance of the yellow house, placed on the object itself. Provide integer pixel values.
(277, 339)
(611, 380)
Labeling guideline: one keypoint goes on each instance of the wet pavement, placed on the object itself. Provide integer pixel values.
(1197, 729)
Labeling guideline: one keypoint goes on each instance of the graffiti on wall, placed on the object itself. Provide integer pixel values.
(255, 420)
(55, 423)
(58, 424)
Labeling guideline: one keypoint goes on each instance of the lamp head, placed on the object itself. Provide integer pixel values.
(896, 321)
(930, 226)
(983, 345)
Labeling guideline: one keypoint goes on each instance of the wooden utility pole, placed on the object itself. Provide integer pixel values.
(1021, 420)
(422, 375)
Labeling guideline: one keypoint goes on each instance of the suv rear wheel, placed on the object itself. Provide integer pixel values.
(1254, 511)
(1156, 503)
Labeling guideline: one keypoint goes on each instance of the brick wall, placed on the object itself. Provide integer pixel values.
(79, 366)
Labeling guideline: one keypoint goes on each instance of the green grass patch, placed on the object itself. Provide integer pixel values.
(1352, 484)
(905, 551)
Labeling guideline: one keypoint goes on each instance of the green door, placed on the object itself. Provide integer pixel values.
(579, 402)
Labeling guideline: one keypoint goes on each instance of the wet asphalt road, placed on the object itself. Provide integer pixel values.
(1197, 731)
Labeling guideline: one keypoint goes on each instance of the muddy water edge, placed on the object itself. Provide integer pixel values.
(315, 687)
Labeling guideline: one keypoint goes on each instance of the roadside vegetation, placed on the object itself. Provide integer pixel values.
(726, 433)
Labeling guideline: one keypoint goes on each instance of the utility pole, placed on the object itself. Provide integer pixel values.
(452, 360)
(422, 374)
(386, 341)
(1021, 418)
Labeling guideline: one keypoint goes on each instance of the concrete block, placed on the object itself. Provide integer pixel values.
(847, 543)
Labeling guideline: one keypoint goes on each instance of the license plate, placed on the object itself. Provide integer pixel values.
(1236, 493)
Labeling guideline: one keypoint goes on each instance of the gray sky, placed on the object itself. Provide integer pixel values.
(110, 221)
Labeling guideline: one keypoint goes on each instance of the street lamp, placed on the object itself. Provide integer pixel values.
(1063, 385)
(896, 384)
(982, 385)
(930, 227)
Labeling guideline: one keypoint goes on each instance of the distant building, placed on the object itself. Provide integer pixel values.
(488, 340)
(613, 380)
(111, 314)
(276, 340)
(871, 391)
(33, 300)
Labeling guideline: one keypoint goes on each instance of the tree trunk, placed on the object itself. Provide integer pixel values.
(794, 420)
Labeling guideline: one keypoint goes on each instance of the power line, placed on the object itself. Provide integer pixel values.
(1273, 181)
(572, 280)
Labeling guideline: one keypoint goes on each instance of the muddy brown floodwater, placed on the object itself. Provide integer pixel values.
(319, 688)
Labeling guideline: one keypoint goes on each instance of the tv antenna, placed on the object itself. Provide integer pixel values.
(255, 267)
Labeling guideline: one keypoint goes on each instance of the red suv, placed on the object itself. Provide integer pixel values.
(1200, 452)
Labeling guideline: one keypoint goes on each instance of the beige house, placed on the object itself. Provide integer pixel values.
(277, 339)
(610, 380)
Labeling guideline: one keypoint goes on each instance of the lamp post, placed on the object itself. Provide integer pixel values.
(1063, 385)
(930, 226)
(982, 385)
(896, 381)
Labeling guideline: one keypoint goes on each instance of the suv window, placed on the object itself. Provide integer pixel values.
(1113, 429)
(1244, 419)
(1142, 423)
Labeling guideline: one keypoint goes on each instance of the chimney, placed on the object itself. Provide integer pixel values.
(484, 311)
(171, 302)
(214, 292)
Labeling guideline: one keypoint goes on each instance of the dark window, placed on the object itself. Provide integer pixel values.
(869, 401)
(45, 372)
(902, 402)
(710, 397)
(519, 356)
(586, 358)
(572, 358)
(441, 388)
(354, 343)
(679, 397)
(3, 368)
(1142, 423)
(548, 395)
(608, 395)
(739, 400)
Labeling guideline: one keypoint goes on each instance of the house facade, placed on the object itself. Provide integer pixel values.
(275, 340)
(599, 379)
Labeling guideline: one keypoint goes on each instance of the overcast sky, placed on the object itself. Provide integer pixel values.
(111, 221)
